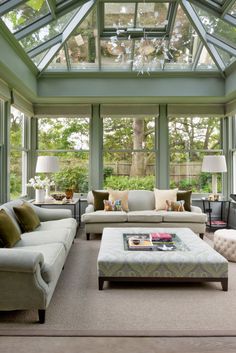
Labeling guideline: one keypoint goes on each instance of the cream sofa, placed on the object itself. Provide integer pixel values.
(142, 213)
(30, 270)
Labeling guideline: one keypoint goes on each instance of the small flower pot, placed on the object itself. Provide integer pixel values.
(69, 193)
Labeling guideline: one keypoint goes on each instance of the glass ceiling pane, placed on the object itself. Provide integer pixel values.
(183, 43)
(36, 60)
(119, 15)
(232, 11)
(47, 32)
(225, 56)
(82, 51)
(205, 61)
(81, 46)
(25, 14)
(214, 25)
(59, 62)
(116, 54)
(152, 15)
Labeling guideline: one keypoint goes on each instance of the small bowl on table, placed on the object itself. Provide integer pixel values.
(58, 196)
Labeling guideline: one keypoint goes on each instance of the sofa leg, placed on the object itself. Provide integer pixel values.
(41, 314)
(201, 235)
(88, 236)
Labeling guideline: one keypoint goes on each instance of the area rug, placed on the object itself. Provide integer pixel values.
(121, 309)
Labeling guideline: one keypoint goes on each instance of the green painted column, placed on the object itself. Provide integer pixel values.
(31, 141)
(96, 149)
(227, 138)
(162, 167)
(5, 182)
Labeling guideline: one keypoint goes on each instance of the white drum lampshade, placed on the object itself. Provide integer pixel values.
(47, 164)
(214, 164)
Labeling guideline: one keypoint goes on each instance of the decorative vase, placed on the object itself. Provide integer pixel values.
(69, 193)
(39, 195)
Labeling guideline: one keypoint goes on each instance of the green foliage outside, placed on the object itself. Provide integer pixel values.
(127, 183)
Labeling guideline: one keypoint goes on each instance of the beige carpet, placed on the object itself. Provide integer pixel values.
(79, 309)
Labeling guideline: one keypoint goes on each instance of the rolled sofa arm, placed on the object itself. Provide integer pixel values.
(196, 209)
(46, 214)
(21, 282)
(89, 208)
(19, 260)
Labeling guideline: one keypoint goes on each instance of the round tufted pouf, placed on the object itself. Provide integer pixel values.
(225, 243)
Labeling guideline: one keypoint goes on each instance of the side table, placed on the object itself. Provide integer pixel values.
(223, 221)
(60, 204)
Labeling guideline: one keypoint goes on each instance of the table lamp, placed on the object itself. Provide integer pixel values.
(214, 165)
(47, 165)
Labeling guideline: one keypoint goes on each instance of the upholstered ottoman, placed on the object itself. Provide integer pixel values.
(197, 262)
(225, 243)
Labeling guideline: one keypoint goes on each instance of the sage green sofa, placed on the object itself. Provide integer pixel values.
(29, 271)
(141, 213)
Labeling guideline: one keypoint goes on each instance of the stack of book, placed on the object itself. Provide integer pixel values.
(140, 242)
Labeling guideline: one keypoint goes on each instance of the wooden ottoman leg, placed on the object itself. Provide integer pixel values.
(41, 314)
(100, 283)
(88, 236)
(224, 283)
(201, 235)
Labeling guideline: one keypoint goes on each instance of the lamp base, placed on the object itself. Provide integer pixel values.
(48, 197)
(214, 184)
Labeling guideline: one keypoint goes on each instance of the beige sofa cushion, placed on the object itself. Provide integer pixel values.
(105, 217)
(144, 216)
(141, 200)
(162, 195)
(185, 217)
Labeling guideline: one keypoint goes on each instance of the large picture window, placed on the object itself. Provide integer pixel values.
(129, 157)
(190, 138)
(68, 139)
(18, 153)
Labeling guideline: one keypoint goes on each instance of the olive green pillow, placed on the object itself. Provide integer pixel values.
(9, 234)
(27, 217)
(99, 196)
(186, 196)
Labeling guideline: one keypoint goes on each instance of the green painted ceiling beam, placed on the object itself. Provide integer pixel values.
(231, 49)
(137, 87)
(10, 5)
(16, 71)
(44, 46)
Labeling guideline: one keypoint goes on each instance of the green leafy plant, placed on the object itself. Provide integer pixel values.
(72, 178)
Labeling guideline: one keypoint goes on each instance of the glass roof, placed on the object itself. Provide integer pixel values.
(124, 36)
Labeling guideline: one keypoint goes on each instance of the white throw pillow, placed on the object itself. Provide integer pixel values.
(162, 195)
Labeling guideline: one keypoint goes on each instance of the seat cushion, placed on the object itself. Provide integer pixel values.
(144, 216)
(66, 223)
(62, 236)
(185, 217)
(105, 217)
(54, 258)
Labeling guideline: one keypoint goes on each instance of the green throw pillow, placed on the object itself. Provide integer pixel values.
(186, 196)
(99, 196)
(27, 217)
(9, 234)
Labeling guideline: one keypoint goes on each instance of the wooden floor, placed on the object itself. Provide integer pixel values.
(117, 345)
